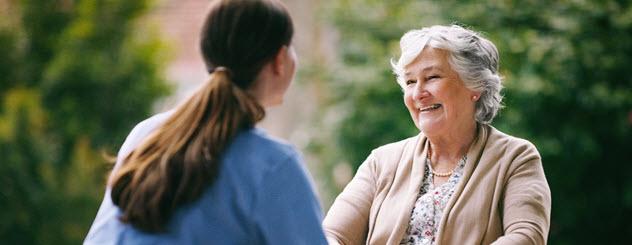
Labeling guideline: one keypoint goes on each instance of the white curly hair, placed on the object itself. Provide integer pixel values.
(472, 56)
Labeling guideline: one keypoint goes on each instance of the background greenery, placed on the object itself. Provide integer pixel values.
(567, 85)
(76, 75)
(73, 79)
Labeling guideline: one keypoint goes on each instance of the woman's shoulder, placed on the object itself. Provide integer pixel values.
(140, 132)
(258, 137)
(386, 158)
(396, 148)
(143, 129)
(151, 123)
(511, 150)
(256, 142)
(257, 158)
(501, 141)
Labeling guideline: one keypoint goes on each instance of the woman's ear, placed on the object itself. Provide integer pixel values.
(475, 96)
(280, 60)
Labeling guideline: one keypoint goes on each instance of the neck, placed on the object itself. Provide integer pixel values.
(447, 150)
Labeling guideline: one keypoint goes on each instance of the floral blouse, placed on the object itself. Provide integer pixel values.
(429, 207)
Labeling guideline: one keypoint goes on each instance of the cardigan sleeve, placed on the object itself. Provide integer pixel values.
(526, 207)
(347, 221)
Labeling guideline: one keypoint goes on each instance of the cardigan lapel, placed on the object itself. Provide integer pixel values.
(473, 157)
(414, 185)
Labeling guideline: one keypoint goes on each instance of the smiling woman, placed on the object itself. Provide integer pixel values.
(436, 97)
(460, 181)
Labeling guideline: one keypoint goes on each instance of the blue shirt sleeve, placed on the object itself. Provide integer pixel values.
(286, 210)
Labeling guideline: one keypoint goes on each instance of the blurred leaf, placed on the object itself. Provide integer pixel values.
(74, 78)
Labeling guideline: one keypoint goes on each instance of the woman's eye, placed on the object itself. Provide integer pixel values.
(409, 82)
(432, 77)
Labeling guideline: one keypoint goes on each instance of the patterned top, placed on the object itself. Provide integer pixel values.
(430, 204)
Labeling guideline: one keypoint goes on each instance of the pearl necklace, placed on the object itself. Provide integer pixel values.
(446, 174)
(439, 174)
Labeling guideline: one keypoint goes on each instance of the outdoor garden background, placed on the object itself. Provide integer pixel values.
(77, 75)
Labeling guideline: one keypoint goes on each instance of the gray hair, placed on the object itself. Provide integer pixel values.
(472, 56)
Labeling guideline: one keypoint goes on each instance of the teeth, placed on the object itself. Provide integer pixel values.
(430, 107)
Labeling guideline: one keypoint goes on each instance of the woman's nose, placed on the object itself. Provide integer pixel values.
(419, 92)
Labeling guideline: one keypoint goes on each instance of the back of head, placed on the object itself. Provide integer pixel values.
(180, 159)
(243, 35)
(472, 56)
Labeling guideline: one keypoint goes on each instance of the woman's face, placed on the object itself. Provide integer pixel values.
(274, 80)
(289, 66)
(435, 96)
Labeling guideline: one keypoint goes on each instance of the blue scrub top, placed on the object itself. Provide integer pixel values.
(262, 195)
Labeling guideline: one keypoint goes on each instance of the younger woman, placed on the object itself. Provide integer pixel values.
(202, 173)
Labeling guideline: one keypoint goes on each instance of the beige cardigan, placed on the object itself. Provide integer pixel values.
(503, 197)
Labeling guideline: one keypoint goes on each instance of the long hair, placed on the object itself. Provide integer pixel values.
(179, 160)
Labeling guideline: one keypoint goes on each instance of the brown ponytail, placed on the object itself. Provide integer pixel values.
(180, 159)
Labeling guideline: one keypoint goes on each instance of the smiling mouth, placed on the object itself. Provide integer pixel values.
(430, 108)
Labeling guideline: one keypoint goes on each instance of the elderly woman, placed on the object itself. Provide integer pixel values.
(460, 181)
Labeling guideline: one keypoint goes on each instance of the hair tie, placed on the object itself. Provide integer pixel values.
(222, 69)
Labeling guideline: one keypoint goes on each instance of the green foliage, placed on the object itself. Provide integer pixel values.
(74, 78)
(567, 90)
(371, 103)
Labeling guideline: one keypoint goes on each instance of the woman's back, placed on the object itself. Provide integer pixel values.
(262, 195)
